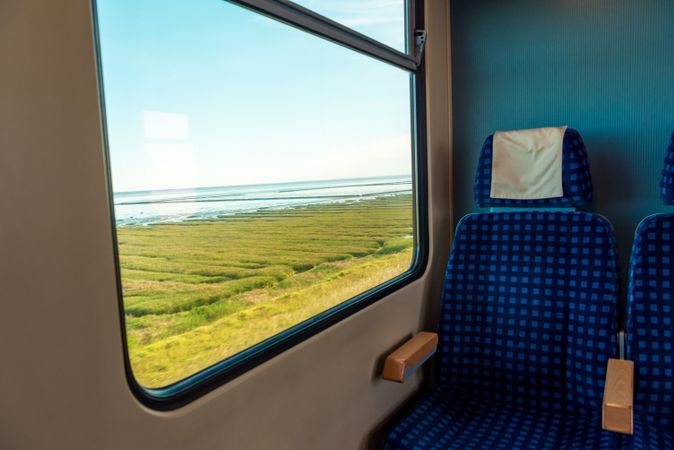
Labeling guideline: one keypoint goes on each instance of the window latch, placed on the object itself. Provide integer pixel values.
(419, 44)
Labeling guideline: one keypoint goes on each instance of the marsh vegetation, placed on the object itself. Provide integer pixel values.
(199, 291)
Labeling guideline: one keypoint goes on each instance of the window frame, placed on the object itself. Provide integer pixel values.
(200, 383)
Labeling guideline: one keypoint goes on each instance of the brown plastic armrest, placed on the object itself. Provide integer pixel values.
(404, 361)
(617, 410)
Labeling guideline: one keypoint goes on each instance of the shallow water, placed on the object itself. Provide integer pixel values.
(177, 205)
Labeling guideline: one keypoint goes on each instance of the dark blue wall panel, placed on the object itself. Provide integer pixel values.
(604, 67)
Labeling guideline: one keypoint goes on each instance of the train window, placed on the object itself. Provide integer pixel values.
(384, 20)
(264, 184)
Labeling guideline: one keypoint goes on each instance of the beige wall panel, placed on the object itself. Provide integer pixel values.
(62, 382)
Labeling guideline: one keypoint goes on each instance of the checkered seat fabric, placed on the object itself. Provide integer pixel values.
(650, 333)
(447, 419)
(528, 323)
(667, 180)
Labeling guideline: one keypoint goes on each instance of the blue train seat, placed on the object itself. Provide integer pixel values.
(650, 323)
(528, 324)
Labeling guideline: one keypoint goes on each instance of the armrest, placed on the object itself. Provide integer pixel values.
(617, 409)
(404, 361)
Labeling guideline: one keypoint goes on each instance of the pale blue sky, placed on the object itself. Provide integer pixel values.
(205, 93)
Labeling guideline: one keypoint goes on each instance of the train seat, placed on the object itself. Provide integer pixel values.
(650, 323)
(527, 325)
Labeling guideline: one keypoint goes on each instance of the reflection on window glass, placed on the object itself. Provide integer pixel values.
(261, 176)
(382, 20)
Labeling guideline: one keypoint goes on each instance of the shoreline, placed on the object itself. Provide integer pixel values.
(133, 221)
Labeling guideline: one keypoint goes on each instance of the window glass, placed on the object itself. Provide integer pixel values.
(382, 20)
(260, 175)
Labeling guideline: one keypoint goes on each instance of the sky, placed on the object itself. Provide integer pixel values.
(206, 93)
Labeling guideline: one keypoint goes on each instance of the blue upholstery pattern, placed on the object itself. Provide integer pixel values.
(528, 323)
(529, 308)
(650, 331)
(576, 178)
(449, 420)
(647, 437)
(667, 180)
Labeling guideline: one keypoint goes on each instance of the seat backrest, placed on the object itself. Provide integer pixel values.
(667, 178)
(529, 300)
(650, 320)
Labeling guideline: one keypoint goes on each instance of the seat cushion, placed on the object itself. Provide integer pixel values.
(648, 437)
(447, 420)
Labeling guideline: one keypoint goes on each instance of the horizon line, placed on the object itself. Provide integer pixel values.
(138, 191)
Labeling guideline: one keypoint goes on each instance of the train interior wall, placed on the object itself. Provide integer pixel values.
(603, 67)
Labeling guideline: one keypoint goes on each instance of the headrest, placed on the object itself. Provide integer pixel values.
(667, 181)
(576, 178)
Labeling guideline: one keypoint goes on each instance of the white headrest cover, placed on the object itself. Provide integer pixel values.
(527, 164)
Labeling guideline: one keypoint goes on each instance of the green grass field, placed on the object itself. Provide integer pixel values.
(198, 292)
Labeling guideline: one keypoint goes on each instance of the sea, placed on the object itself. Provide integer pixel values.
(178, 205)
